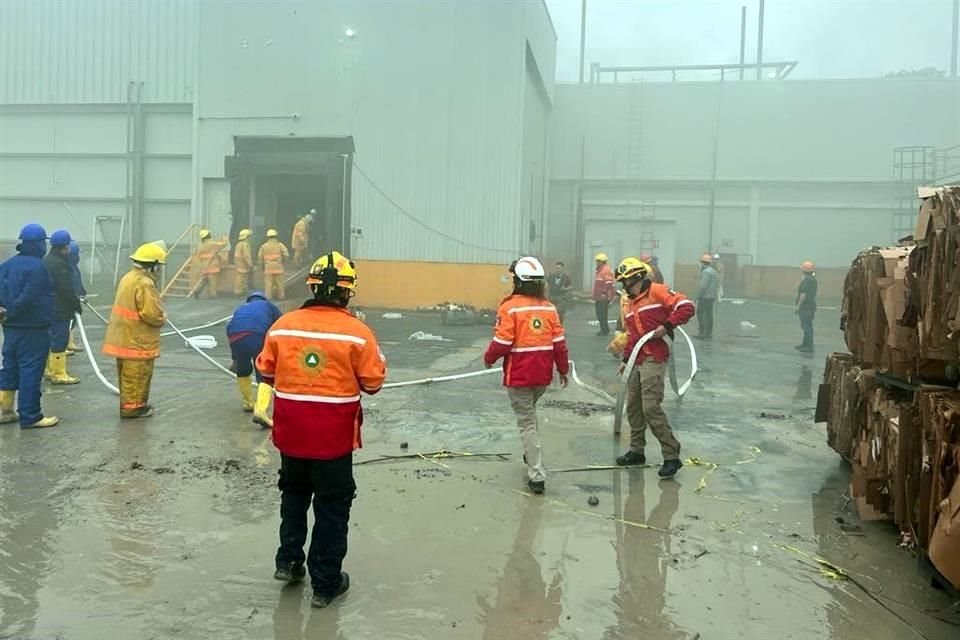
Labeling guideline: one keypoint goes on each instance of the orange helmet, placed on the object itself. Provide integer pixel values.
(807, 267)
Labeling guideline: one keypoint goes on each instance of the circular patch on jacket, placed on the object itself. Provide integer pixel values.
(313, 361)
(536, 324)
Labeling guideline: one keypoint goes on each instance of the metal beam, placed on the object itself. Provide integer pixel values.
(743, 39)
(583, 35)
(956, 30)
(760, 42)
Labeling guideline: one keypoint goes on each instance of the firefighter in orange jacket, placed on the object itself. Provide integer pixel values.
(209, 256)
(243, 264)
(529, 337)
(273, 255)
(319, 359)
(300, 239)
(658, 309)
(133, 334)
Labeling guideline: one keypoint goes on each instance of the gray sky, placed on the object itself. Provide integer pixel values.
(829, 38)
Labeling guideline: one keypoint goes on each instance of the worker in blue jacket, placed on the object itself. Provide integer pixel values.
(246, 332)
(77, 278)
(26, 294)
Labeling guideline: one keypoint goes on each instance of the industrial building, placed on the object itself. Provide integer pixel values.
(433, 142)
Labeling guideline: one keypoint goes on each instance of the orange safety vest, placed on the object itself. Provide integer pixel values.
(529, 337)
(133, 332)
(319, 359)
(272, 255)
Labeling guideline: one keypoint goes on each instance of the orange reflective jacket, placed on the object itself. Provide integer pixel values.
(529, 337)
(134, 329)
(657, 306)
(272, 255)
(319, 359)
(242, 257)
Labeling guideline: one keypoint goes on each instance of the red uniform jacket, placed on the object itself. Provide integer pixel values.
(319, 359)
(529, 338)
(659, 305)
(604, 284)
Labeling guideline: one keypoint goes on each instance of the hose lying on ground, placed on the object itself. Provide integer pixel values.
(200, 351)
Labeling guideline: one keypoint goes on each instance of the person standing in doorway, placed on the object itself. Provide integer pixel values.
(529, 337)
(242, 263)
(604, 292)
(273, 255)
(560, 289)
(300, 239)
(656, 309)
(707, 289)
(807, 305)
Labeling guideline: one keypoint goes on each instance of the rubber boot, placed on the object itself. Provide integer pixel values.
(246, 392)
(260, 417)
(58, 365)
(7, 413)
(48, 369)
(73, 346)
(49, 421)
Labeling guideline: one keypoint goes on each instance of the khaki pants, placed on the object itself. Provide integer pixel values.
(644, 400)
(299, 257)
(241, 284)
(273, 285)
(524, 403)
(135, 377)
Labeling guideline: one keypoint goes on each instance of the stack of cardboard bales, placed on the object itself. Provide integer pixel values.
(892, 407)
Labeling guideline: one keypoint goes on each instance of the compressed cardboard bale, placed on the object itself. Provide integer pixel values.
(845, 416)
(945, 543)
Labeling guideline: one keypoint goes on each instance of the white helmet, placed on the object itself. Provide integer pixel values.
(528, 269)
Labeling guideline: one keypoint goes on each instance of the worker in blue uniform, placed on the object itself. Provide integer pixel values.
(26, 294)
(246, 332)
(66, 304)
(73, 258)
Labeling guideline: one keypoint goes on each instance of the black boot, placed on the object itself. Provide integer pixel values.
(290, 574)
(631, 458)
(321, 601)
(537, 487)
(669, 468)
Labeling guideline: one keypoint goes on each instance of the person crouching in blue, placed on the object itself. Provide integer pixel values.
(246, 332)
(73, 258)
(26, 294)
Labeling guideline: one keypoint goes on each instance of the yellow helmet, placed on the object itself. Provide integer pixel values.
(601, 257)
(204, 234)
(632, 267)
(150, 252)
(244, 234)
(334, 270)
(272, 233)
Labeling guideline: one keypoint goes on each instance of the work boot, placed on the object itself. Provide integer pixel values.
(290, 574)
(143, 412)
(58, 367)
(631, 458)
(7, 413)
(48, 368)
(537, 486)
(73, 346)
(49, 421)
(246, 393)
(260, 417)
(321, 601)
(669, 468)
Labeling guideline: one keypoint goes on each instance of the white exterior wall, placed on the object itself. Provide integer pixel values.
(432, 92)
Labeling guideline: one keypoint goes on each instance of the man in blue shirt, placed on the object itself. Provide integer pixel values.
(26, 293)
(246, 332)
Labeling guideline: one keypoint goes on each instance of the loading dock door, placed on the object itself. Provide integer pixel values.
(622, 238)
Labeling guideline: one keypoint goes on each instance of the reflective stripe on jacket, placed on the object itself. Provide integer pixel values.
(529, 337)
(134, 329)
(209, 256)
(300, 237)
(272, 255)
(319, 360)
(242, 257)
(658, 305)
(604, 284)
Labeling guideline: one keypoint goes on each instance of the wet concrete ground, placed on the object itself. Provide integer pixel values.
(166, 528)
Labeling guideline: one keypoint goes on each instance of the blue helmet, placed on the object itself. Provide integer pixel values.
(74, 249)
(33, 231)
(60, 238)
(256, 295)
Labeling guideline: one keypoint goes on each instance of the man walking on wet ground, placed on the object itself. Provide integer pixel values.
(658, 309)
(27, 297)
(708, 287)
(604, 292)
(319, 360)
(807, 305)
(529, 337)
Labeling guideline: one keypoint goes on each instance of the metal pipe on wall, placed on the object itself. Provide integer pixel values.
(583, 35)
(743, 38)
(760, 42)
(956, 33)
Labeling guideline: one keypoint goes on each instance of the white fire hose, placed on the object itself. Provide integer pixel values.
(93, 361)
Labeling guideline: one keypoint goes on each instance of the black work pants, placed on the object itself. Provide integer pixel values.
(705, 316)
(602, 308)
(329, 485)
(806, 325)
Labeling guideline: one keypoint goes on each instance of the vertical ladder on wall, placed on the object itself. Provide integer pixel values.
(648, 234)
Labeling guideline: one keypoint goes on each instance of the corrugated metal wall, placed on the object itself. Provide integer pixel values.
(87, 51)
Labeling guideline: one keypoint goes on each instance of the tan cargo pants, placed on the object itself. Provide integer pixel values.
(524, 403)
(644, 400)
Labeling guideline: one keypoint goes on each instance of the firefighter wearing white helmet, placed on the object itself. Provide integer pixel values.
(529, 337)
(273, 255)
